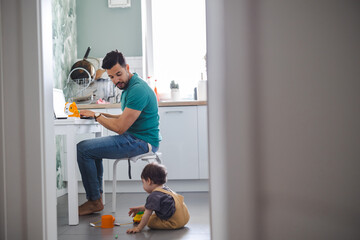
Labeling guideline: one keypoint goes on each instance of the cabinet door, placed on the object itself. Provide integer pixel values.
(203, 142)
(179, 145)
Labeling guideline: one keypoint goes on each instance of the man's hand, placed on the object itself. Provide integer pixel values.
(133, 230)
(135, 210)
(87, 113)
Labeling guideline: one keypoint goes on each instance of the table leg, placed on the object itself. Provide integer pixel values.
(73, 200)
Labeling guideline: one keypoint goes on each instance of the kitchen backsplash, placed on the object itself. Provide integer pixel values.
(136, 65)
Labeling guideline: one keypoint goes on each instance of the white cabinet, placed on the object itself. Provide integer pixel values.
(179, 147)
(184, 145)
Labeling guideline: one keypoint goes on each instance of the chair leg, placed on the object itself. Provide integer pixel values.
(158, 159)
(114, 186)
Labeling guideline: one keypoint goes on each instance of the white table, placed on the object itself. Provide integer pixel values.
(70, 128)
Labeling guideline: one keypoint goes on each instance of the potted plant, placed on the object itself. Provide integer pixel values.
(175, 92)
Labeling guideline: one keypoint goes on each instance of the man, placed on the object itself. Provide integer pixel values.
(137, 128)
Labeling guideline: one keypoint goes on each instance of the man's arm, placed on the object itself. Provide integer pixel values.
(89, 113)
(108, 115)
(122, 123)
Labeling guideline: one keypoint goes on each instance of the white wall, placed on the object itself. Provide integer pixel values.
(28, 202)
(12, 128)
(309, 119)
(284, 88)
(2, 186)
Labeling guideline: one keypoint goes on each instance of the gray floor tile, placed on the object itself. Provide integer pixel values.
(198, 227)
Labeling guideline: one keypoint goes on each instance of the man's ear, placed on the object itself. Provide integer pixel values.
(127, 67)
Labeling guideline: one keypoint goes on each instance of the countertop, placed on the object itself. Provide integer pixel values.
(161, 104)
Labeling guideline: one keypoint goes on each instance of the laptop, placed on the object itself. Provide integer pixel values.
(59, 104)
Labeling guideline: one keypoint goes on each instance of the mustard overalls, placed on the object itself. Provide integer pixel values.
(177, 220)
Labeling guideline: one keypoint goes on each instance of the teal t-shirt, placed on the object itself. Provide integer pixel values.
(139, 96)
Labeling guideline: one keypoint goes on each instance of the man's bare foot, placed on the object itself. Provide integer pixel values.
(90, 207)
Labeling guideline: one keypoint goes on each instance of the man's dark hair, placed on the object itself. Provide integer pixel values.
(155, 172)
(112, 58)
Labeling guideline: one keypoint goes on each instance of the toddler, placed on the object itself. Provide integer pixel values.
(169, 207)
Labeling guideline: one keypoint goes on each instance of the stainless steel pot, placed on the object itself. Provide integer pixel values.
(84, 64)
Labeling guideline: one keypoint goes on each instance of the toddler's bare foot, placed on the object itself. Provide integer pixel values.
(90, 207)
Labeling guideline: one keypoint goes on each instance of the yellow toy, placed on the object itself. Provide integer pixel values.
(71, 110)
(138, 217)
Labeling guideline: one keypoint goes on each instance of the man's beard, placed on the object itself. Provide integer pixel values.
(124, 86)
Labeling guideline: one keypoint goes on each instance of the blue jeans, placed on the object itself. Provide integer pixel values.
(91, 152)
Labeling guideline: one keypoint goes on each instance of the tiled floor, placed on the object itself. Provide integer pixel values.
(198, 227)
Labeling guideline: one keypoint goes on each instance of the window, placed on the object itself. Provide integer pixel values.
(175, 44)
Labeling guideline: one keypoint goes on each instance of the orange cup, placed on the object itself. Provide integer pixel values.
(107, 221)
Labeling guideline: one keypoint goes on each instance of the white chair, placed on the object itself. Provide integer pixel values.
(144, 157)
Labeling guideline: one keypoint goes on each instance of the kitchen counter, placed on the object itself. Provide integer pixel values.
(161, 104)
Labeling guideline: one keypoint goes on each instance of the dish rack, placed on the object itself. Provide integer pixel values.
(79, 90)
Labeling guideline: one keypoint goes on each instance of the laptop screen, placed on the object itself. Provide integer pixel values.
(59, 103)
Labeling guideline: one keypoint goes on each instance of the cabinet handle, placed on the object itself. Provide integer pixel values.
(174, 112)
